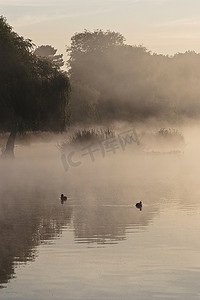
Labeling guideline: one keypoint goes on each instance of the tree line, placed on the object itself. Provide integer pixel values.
(106, 80)
(111, 80)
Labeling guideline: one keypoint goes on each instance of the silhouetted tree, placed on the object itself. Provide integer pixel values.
(100, 62)
(88, 43)
(47, 51)
(86, 52)
(34, 94)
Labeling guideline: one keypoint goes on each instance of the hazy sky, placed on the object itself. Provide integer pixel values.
(163, 26)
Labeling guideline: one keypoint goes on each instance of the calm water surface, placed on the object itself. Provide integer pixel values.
(98, 245)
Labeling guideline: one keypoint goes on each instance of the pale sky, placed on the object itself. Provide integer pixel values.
(163, 26)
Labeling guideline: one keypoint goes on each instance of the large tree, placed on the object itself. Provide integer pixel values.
(90, 44)
(108, 76)
(33, 92)
(86, 62)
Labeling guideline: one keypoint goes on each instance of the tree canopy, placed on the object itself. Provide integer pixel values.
(115, 81)
(34, 93)
(49, 52)
(85, 57)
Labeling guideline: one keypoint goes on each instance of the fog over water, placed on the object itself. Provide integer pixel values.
(97, 244)
(100, 169)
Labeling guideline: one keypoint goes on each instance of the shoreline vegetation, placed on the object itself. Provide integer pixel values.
(107, 82)
(162, 141)
(155, 141)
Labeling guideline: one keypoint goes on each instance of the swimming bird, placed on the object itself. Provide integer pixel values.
(63, 198)
(139, 205)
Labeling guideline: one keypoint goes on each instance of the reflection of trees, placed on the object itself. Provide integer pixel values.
(104, 220)
(106, 224)
(103, 206)
(107, 198)
(24, 224)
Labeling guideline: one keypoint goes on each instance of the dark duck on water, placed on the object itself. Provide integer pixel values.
(139, 205)
(63, 198)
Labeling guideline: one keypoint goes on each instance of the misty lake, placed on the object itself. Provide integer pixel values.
(98, 245)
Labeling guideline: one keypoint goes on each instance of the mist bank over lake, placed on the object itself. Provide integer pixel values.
(100, 211)
(107, 81)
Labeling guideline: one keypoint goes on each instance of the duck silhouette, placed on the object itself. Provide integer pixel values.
(139, 205)
(63, 198)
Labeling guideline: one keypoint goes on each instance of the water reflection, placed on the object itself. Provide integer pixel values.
(26, 221)
(105, 224)
(100, 209)
(31, 219)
